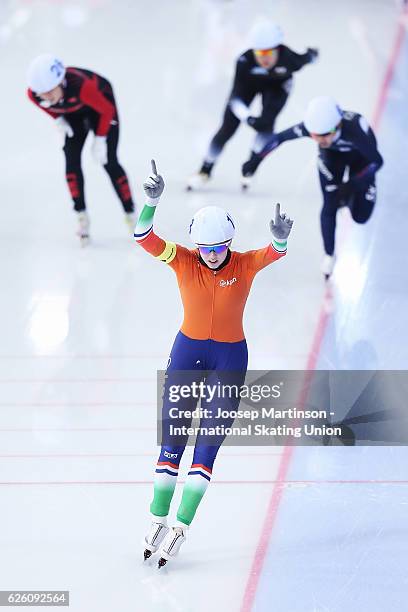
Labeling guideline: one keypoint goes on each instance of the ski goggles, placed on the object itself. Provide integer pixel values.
(264, 52)
(217, 248)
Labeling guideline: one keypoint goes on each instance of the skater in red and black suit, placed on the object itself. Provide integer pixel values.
(81, 101)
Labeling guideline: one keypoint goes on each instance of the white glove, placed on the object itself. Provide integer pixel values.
(240, 110)
(100, 150)
(64, 128)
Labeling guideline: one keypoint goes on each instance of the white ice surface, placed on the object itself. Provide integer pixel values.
(84, 331)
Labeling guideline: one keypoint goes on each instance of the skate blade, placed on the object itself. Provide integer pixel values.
(194, 186)
(84, 241)
(147, 554)
(245, 184)
(162, 562)
(195, 183)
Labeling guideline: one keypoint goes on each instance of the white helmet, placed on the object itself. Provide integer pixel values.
(266, 35)
(211, 226)
(322, 115)
(45, 72)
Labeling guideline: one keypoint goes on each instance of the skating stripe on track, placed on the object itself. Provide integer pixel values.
(202, 467)
(277, 492)
(172, 465)
(165, 471)
(199, 473)
(389, 74)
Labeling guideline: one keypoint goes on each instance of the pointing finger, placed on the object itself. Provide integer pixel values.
(277, 213)
(154, 169)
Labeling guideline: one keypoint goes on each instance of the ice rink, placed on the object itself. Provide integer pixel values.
(83, 331)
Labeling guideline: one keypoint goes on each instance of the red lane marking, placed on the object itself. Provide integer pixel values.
(266, 531)
(389, 73)
(282, 483)
(276, 496)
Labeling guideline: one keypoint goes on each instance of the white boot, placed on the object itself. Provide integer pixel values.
(246, 182)
(130, 220)
(328, 265)
(172, 543)
(156, 535)
(197, 180)
(83, 227)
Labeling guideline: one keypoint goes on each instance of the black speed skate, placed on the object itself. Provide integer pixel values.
(248, 170)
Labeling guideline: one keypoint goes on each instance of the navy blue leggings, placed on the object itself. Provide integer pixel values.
(272, 103)
(332, 165)
(215, 363)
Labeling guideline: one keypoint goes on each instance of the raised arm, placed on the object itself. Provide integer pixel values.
(280, 228)
(144, 234)
(168, 252)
